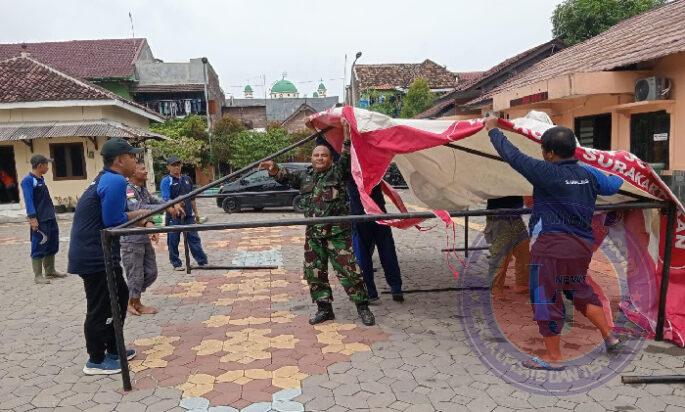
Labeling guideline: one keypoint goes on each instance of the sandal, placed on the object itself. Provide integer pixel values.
(539, 364)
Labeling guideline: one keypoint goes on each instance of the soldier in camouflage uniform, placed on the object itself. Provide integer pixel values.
(323, 190)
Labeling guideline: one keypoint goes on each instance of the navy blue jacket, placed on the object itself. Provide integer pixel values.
(37, 198)
(173, 187)
(102, 205)
(564, 193)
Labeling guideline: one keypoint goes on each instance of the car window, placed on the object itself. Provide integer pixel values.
(259, 176)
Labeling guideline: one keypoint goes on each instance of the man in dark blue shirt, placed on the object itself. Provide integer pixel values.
(103, 205)
(41, 214)
(564, 195)
(172, 186)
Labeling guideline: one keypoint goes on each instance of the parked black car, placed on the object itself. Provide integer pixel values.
(259, 181)
(394, 177)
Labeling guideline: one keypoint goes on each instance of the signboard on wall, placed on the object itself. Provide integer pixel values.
(660, 137)
(532, 98)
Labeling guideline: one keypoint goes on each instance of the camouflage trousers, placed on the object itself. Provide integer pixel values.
(508, 238)
(337, 248)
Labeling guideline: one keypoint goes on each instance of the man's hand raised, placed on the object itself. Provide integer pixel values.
(270, 166)
(346, 128)
(491, 122)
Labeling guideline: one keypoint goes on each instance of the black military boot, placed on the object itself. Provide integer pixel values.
(365, 314)
(324, 313)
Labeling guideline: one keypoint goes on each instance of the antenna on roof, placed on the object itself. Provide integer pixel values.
(133, 31)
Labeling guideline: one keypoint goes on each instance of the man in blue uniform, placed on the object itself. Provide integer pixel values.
(564, 195)
(366, 236)
(172, 186)
(41, 214)
(103, 205)
(137, 252)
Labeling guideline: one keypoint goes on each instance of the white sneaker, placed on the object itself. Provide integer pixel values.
(179, 269)
(108, 366)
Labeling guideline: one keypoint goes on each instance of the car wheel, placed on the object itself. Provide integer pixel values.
(296, 204)
(231, 205)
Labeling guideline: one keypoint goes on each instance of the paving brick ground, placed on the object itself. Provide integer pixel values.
(240, 340)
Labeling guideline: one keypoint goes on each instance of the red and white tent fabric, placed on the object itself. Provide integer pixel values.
(452, 165)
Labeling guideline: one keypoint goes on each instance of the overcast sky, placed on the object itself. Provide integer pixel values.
(245, 39)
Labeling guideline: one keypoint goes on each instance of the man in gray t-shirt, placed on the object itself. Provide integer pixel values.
(137, 253)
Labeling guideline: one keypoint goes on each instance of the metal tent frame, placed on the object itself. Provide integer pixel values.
(108, 236)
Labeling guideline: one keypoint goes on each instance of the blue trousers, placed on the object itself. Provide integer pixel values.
(366, 236)
(48, 235)
(194, 243)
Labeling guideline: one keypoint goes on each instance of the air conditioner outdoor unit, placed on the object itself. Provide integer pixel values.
(652, 88)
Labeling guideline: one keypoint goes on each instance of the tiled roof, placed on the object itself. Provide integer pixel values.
(87, 128)
(648, 36)
(554, 44)
(87, 59)
(280, 109)
(389, 76)
(24, 79)
(303, 107)
(238, 102)
(463, 77)
(475, 81)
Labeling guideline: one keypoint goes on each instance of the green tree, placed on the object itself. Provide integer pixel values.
(188, 140)
(223, 131)
(387, 103)
(418, 98)
(248, 146)
(192, 126)
(304, 152)
(574, 21)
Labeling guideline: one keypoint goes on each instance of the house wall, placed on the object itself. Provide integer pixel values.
(254, 114)
(120, 88)
(192, 72)
(124, 116)
(48, 114)
(586, 94)
(68, 191)
(591, 99)
(296, 123)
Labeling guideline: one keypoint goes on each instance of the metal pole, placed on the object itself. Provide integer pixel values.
(209, 121)
(344, 90)
(653, 379)
(666, 270)
(220, 181)
(358, 218)
(466, 236)
(117, 320)
(186, 250)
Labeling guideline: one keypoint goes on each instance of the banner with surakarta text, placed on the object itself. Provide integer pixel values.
(451, 165)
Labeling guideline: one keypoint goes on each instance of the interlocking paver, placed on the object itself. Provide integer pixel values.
(418, 357)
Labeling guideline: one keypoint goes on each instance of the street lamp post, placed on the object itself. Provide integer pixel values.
(352, 88)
